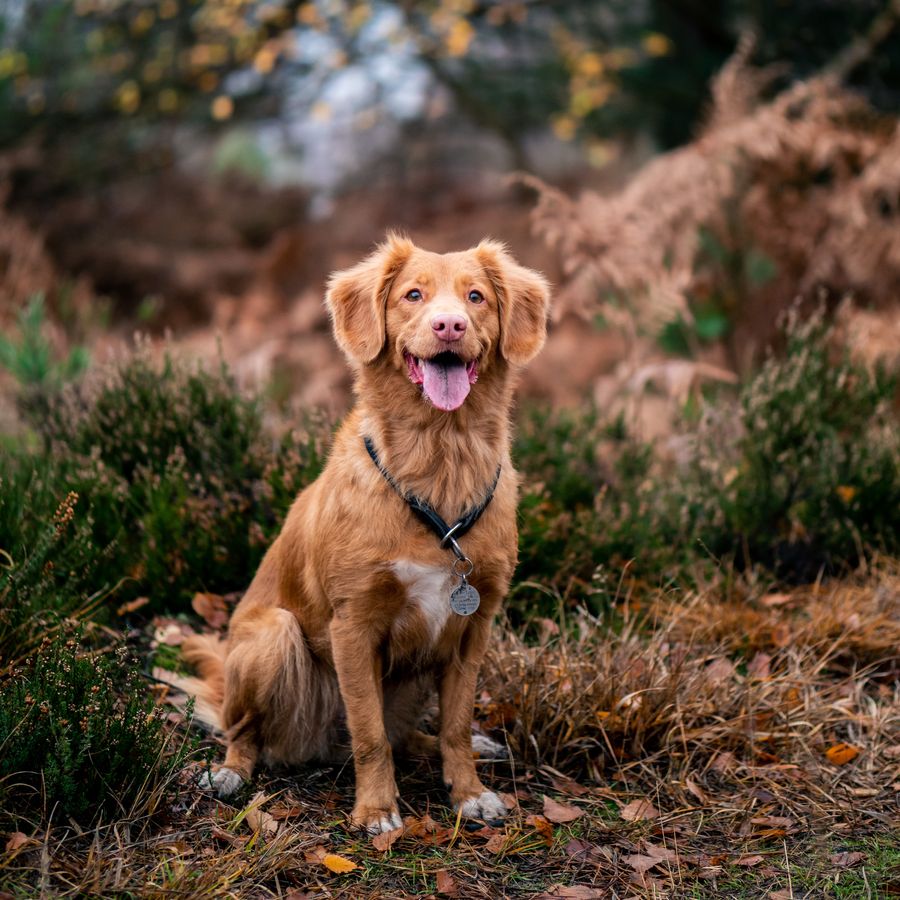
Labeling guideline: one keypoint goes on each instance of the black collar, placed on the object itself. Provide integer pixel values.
(429, 515)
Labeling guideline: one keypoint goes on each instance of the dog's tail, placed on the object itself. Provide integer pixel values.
(206, 652)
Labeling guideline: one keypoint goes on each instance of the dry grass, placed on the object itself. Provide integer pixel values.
(696, 741)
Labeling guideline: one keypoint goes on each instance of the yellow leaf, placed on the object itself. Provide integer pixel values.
(335, 863)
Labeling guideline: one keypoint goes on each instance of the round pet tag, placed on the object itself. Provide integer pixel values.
(464, 600)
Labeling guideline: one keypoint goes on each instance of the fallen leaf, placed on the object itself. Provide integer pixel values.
(542, 825)
(282, 811)
(760, 666)
(892, 752)
(257, 819)
(568, 786)
(297, 894)
(696, 790)
(16, 839)
(211, 608)
(446, 883)
(724, 761)
(229, 838)
(387, 839)
(578, 847)
(638, 810)
(664, 854)
(509, 800)
(865, 792)
(749, 861)
(775, 599)
(496, 843)
(840, 754)
(781, 894)
(132, 606)
(641, 863)
(560, 813)
(847, 858)
(339, 864)
(773, 821)
(719, 670)
(574, 892)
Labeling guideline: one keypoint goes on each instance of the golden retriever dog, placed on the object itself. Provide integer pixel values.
(362, 605)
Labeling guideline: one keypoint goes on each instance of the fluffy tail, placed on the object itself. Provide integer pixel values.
(206, 652)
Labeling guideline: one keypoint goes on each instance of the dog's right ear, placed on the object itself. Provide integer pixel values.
(357, 299)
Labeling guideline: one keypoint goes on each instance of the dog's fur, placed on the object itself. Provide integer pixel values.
(347, 624)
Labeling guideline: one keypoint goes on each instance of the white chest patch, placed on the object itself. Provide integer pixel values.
(428, 588)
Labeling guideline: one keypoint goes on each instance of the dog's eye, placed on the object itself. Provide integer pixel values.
(414, 295)
(476, 297)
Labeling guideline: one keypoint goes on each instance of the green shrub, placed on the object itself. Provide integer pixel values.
(177, 468)
(810, 480)
(81, 737)
(800, 474)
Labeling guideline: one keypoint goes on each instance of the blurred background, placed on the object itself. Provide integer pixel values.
(682, 171)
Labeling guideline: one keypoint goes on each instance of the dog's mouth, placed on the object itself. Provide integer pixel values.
(446, 379)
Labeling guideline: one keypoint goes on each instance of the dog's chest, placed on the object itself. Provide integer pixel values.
(427, 595)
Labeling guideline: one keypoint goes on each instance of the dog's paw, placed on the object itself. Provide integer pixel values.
(488, 749)
(222, 782)
(486, 805)
(377, 821)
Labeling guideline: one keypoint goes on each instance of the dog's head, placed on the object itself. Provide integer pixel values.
(441, 320)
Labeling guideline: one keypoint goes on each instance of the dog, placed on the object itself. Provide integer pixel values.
(364, 604)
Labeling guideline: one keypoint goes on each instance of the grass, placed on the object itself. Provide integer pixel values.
(700, 658)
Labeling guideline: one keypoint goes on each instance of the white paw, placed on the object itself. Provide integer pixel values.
(385, 823)
(488, 749)
(222, 782)
(487, 805)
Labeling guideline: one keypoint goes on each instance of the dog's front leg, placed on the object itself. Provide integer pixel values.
(358, 666)
(456, 683)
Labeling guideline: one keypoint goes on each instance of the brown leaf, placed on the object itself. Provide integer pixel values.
(847, 858)
(775, 599)
(16, 840)
(496, 842)
(573, 892)
(696, 790)
(297, 894)
(641, 863)
(211, 608)
(257, 819)
(387, 839)
(781, 894)
(339, 864)
(725, 761)
(892, 752)
(578, 848)
(560, 813)
(773, 821)
(749, 861)
(568, 786)
(446, 883)
(132, 606)
(509, 800)
(760, 666)
(234, 839)
(660, 853)
(720, 670)
(840, 754)
(638, 810)
(282, 811)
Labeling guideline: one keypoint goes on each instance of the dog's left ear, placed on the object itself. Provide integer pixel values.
(524, 297)
(357, 299)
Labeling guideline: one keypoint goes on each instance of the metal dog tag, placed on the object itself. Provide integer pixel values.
(464, 599)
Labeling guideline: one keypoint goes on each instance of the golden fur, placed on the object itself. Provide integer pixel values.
(347, 626)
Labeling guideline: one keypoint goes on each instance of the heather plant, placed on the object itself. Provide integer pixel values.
(799, 473)
(81, 735)
(177, 467)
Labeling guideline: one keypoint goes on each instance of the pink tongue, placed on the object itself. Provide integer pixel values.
(445, 386)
